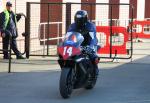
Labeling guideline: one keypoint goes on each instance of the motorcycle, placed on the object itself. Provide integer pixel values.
(77, 70)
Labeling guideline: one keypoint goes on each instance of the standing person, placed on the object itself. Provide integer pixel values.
(88, 30)
(8, 27)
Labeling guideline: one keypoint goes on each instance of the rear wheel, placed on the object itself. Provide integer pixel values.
(91, 83)
(66, 82)
(92, 78)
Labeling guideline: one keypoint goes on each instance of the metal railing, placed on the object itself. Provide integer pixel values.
(44, 39)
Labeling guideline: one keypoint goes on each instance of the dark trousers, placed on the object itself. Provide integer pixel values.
(13, 46)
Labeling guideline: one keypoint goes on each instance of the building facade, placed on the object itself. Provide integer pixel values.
(57, 17)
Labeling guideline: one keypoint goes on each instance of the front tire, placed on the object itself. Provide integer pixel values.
(66, 85)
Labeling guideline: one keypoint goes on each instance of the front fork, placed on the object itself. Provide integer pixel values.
(63, 64)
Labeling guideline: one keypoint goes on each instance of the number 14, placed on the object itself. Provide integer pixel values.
(67, 50)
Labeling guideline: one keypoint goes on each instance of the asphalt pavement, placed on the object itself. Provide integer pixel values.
(39, 83)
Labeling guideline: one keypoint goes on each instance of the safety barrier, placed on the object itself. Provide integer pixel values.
(119, 39)
(141, 29)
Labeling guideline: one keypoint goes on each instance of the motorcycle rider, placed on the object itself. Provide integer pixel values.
(88, 31)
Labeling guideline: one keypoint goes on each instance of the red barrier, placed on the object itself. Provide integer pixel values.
(141, 29)
(118, 32)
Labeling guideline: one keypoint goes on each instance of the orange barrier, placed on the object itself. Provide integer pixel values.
(141, 29)
(119, 39)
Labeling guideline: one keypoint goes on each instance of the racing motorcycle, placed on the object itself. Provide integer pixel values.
(77, 70)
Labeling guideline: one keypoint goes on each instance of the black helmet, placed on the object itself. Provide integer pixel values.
(81, 17)
(9, 4)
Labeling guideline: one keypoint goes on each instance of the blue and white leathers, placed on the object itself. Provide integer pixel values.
(88, 32)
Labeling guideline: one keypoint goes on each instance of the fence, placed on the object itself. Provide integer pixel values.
(9, 51)
(141, 37)
(47, 23)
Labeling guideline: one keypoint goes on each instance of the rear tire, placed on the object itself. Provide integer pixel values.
(66, 85)
(91, 83)
(92, 79)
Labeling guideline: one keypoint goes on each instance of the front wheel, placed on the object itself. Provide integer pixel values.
(66, 82)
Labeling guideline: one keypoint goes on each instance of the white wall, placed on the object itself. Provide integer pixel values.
(102, 12)
(1, 5)
(74, 9)
(124, 13)
(21, 8)
(140, 9)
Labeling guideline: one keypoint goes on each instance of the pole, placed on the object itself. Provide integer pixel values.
(10, 42)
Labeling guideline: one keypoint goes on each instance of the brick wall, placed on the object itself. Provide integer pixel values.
(53, 15)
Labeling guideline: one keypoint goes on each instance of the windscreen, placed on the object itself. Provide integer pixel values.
(73, 39)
